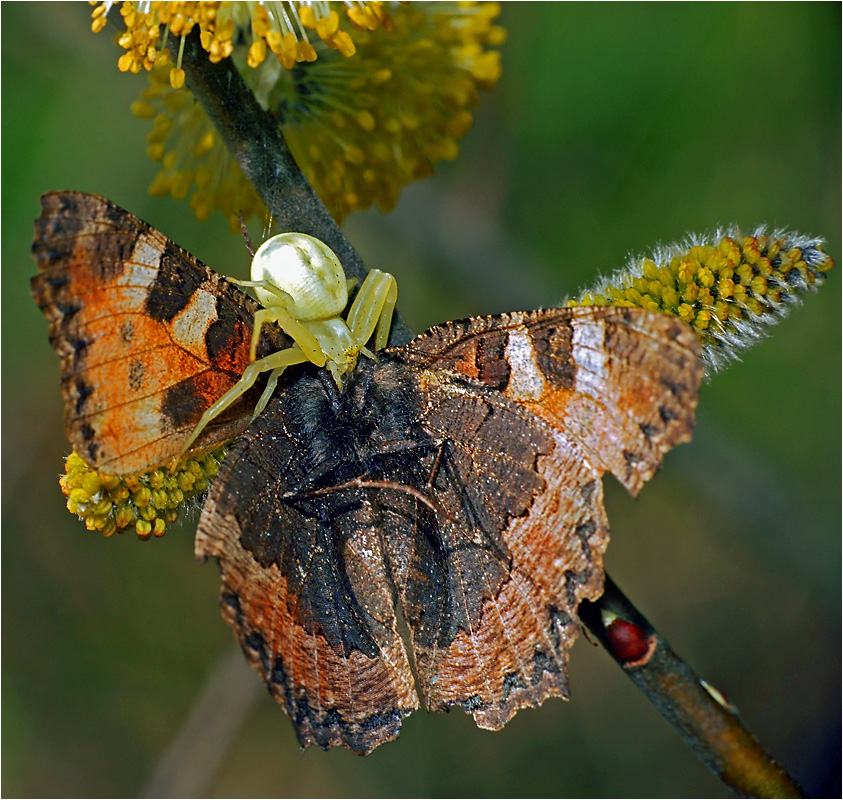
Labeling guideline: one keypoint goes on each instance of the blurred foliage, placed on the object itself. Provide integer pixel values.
(614, 127)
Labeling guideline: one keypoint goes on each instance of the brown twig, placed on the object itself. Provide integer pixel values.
(703, 718)
(701, 715)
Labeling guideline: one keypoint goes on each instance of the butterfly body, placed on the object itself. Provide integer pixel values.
(455, 482)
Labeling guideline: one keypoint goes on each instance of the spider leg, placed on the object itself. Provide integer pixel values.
(292, 327)
(283, 297)
(269, 287)
(385, 321)
(334, 370)
(282, 301)
(373, 307)
(267, 392)
(276, 362)
(277, 312)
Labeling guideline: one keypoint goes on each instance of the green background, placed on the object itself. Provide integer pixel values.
(615, 127)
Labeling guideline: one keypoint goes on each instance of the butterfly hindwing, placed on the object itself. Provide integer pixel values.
(147, 335)
(307, 581)
(517, 544)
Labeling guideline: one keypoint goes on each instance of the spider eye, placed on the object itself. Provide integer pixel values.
(307, 270)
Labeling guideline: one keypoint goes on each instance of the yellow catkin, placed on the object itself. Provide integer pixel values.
(218, 22)
(360, 128)
(145, 503)
(725, 289)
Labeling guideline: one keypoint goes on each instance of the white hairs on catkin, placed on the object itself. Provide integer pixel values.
(723, 342)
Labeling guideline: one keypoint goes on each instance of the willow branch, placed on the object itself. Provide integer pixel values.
(709, 725)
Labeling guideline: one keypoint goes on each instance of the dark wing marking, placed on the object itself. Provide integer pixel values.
(306, 580)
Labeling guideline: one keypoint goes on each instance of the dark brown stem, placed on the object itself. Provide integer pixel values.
(703, 718)
(255, 140)
(708, 725)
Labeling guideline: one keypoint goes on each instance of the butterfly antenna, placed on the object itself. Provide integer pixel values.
(359, 483)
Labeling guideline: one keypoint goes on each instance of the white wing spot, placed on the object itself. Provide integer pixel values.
(589, 354)
(141, 268)
(195, 316)
(526, 381)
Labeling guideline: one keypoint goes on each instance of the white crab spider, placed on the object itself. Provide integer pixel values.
(301, 285)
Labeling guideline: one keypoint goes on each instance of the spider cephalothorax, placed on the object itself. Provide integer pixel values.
(302, 287)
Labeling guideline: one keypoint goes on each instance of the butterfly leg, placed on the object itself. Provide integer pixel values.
(276, 363)
(434, 469)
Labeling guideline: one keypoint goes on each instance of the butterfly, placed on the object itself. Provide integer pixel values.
(453, 483)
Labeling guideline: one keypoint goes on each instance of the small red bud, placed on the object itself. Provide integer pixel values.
(627, 642)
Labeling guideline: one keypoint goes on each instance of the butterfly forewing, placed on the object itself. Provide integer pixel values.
(147, 335)
(621, 382)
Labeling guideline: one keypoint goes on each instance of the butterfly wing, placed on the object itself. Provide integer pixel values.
(494, 583)
(551, 400)
(306, 581)
(426, 485)
(148, 336)
(620, 382)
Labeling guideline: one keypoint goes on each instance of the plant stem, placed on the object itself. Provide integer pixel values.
(707, 723)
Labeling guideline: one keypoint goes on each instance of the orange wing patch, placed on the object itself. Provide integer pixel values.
(148, 336)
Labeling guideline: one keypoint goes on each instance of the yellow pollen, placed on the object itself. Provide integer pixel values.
(146, 503)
